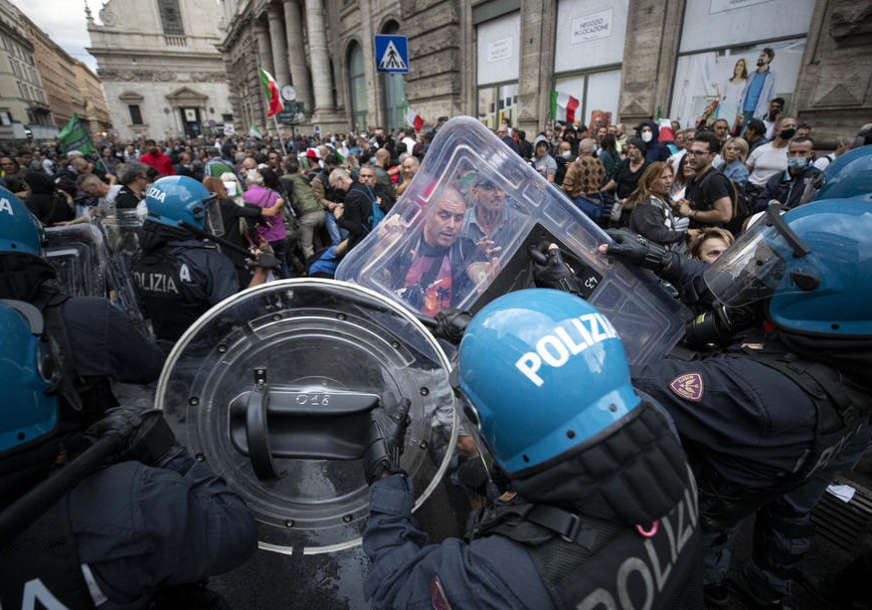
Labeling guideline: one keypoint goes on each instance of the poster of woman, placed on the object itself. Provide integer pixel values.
(729, 92)
(712, 82)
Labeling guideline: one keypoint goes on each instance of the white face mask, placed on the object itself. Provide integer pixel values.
(647, 136)
(231, 188)
(566, 154)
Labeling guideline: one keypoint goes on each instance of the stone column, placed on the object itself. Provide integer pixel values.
(318, 52)
(264, 54)
(648, 67)
(296, 55)
(536, 64)
(277, 41)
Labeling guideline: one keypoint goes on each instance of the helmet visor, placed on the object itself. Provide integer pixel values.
(214, 220)
(754, 268)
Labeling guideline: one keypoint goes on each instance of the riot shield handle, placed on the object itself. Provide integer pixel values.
(256, 431)
(298, 423)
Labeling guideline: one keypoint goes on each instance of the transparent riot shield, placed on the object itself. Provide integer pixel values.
(272, 388)
(121, 228)
(79, 256)
(461, 236)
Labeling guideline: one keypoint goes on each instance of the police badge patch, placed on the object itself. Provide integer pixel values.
(687, 386)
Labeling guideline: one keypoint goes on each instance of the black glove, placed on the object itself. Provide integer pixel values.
(266, 258)
(549, 271)
(637, 250)
(147, 437)
(387, 433)
(450, 324)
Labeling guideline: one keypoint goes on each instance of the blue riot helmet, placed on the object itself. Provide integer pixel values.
(177, 201)
(20, 231)
(543, 371)
(813, 263)
(848, 177)
(28, 375)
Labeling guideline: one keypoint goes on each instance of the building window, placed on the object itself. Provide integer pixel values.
(597, 93)
(135, 114)
(592, 37)
(497, 66)
(498, 102)
(171, 17)
(357, 82)
(227, 118)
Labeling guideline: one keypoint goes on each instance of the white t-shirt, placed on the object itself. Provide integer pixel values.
(765, 161)
(824, 162)
(410, 144)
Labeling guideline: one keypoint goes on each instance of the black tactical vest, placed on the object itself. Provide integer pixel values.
(589, 563)
(42, 564)
(164, 296)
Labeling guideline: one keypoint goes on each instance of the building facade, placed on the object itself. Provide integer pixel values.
(95, 111)
(625, 60)
(55, 67)
(160, 68)
(24, 108)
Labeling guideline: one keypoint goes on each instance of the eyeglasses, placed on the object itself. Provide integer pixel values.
(698, 153)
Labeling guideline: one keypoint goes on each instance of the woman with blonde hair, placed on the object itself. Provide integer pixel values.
(710, 243)
(735, 152)
(652, 216)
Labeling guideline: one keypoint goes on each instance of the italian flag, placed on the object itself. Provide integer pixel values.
(563, 107)
(272, 93)
(413, 118)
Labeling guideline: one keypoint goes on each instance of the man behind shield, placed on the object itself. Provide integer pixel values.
(490, 218)
(439, 266)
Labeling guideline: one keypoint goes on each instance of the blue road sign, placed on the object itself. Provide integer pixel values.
(391, 53)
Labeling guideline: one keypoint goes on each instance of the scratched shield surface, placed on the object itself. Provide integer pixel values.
(272, 389)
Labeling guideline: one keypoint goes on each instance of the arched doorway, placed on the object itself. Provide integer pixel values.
(393, 88)
(357, 86)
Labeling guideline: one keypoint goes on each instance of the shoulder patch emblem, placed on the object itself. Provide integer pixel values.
(688, 386)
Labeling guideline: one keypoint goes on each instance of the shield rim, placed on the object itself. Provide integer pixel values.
(327, 283)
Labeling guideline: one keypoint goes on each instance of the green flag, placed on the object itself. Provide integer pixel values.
(74, 136)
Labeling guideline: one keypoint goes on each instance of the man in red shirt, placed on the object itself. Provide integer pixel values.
(156, 159)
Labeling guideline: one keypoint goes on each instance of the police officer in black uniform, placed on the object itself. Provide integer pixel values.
(99, 341)
(599, 507)
(76, 531)
(178, 274)
(786, 405)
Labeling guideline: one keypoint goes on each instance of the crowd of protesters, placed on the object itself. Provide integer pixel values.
(680, 187)
(311, 200)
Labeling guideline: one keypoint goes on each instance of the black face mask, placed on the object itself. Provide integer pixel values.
(760, 62)
(786, 134)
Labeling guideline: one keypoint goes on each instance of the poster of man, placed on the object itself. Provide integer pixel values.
(736, 81)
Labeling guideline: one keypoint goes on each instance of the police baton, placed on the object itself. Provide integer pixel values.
(264, 259)
(28, 508)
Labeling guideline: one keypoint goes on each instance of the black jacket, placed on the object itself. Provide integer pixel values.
(786, 188)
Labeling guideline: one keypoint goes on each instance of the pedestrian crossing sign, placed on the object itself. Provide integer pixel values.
(391, 53)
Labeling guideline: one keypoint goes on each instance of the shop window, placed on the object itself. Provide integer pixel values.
(357, 83)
